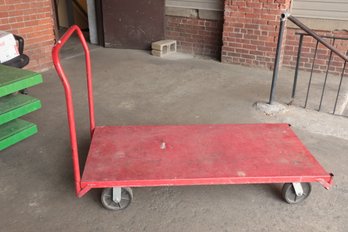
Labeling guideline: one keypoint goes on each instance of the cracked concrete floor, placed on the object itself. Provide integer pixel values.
(134, 88)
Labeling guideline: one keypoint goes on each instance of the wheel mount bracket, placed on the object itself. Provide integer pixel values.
(298, 189)
(116, 194)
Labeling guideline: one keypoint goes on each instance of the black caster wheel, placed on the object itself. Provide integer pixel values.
(108, 203)
(289, 194)
(24, 91)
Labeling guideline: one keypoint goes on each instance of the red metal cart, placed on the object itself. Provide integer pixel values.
(121, 157)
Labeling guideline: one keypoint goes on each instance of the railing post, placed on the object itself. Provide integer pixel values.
(283, 19)
(340, 85)
(326, 75)
(297, 66)
(311, 75)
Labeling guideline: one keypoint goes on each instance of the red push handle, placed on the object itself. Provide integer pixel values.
(68, 96)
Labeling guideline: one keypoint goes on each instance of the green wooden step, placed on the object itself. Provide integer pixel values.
(15, 131)
(16, 105)
(15, 79)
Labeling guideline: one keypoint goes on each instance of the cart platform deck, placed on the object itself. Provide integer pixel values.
(131, 156)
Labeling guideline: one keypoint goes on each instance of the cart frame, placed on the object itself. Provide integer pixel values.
(82, 187)
(80, 190)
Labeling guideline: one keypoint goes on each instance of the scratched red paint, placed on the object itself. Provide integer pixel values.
(198, 154)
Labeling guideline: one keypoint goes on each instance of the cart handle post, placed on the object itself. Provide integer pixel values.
(68, 96)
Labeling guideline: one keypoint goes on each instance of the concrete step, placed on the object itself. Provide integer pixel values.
(15, 131)
(16, 105)
(14, 79)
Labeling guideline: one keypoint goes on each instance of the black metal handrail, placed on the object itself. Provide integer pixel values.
(302, 35)
(324, 36)
(319, 40)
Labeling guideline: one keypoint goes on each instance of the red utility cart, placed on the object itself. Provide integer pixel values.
(121, 157)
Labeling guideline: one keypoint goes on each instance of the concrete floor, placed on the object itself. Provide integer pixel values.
(134, 88)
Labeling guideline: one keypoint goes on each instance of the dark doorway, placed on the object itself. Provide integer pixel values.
(70, 12)
(132, 24)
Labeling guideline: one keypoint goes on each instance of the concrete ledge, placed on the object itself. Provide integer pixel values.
(181, 12)
(211, 14)
(195, 13)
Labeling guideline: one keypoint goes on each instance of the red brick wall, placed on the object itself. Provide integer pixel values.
(308, 48)
(195, 36)
(251, 31)
(33, 20)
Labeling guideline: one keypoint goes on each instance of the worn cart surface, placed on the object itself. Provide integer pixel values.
(121, 157)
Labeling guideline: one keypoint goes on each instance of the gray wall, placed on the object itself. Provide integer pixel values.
(322, 9)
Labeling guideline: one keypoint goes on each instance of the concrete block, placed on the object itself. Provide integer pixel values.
(160, 53)
(156, 53)
(165, 45)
